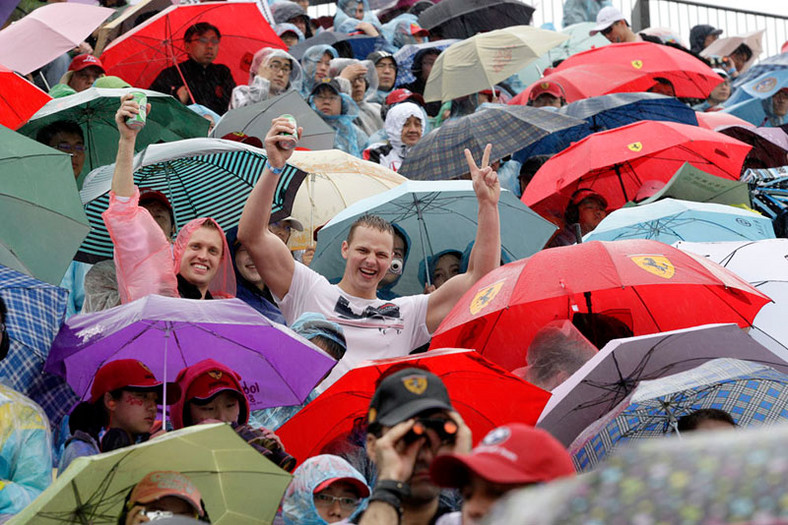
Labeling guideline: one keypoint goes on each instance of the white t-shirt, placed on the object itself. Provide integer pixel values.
(374, 328)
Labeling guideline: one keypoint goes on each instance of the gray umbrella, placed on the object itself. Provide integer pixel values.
(254, 120)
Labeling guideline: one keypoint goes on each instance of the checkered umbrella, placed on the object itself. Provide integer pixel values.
(200, 177)
(754, 394)
(439, 155)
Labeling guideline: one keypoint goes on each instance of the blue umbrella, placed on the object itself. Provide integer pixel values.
(754, 394)
(35, 312)
(436, 216)
(747, 102)
(767, 65)
(608, 112)
(670, 220)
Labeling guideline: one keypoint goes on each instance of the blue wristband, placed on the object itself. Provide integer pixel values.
(276, 171)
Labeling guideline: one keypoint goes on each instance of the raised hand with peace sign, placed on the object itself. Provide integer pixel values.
(485, 179)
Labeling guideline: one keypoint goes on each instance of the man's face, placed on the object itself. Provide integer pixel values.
(72, 144)
(223, 407)
(721, 92)
(411, 131)
(591, 213)
(780, 103)
(201, 259)
(328, 102)
(398, 253)
(738, 61)
(203, 48)
(299, 22)
(281, 229)
(546, 100)
(368, 256)
(290, 39)
(479, 496)
(359, 12)
(134, 412)
(426, 65)
(359, 88)
(387, 73)
(616, 33)
(161, 214)
(337, 502)
(84, 78)
(277, 72)
(709, 40)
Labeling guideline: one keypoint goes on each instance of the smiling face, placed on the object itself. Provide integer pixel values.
(411, 131)
(246, 267)
(201, 258)
(368, 256)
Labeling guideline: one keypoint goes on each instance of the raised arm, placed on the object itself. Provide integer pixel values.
(271, 256)
(123, 178)
(486, 252)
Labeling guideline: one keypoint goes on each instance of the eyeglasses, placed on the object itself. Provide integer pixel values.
(324, 500)
(327, 97)
(607, 30)
(276, 66)
(71, 148)
(205, 40)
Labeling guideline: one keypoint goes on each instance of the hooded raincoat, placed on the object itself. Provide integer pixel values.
(309, 61)
(346, 9)
(259, 88)
(146, 263)
(369, 112)
(178, 413)
(399, 31)
(771, 119)
(298, 504)
(285, 11)
(395, 121)
(348, 137)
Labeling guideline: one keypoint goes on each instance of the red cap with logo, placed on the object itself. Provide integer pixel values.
(512, 454)
(80, 62)
(401, 95)
(213, 381)
(162, 483)
(129, 373)
(548, 88)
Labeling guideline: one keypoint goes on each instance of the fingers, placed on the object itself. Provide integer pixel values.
(471, 163)
(486, 155)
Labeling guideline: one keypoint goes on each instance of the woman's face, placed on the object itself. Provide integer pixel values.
(322, 66)
(337, 502)
(246, 267)
(411, 131)
(223, 407)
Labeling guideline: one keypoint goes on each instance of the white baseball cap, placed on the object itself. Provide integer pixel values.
(606, 17)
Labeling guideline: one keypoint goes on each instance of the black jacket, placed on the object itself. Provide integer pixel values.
(211, 85)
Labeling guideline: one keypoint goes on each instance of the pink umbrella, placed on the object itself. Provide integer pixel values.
(47, 33)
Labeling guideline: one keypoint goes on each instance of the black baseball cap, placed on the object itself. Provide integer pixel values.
(405, 394)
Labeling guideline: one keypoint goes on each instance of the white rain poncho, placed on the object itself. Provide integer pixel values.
(259, 88)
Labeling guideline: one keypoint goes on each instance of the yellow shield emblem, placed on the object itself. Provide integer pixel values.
(485, 296)
(215, 374)
(656, 264)
(637, 64)
(635, 146)
(373, 415)
(415, 384)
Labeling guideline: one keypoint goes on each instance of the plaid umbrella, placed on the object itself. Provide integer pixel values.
(200, 177)
(35, 311)
(753, 394)
(438, 156)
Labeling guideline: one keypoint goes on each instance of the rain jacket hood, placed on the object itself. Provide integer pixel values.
(399, 31)
(347, 137)
(188, 375)
(222, 286)
(386, 292)
(395, 121)
(339, 64)
(771, 118)
(285, 11)
(267, 53)
(309, 65)
(298, 504)
(346, 9)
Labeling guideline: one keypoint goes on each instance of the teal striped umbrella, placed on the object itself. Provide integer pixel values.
(201, 178)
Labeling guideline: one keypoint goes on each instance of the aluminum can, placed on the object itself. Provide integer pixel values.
(288, 140)
(138, 120)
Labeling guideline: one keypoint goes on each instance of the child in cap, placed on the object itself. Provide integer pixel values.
(121, 410)
(163, 494)
(325, 489)
(509, 457)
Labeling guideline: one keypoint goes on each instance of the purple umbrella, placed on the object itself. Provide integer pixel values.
(277, 367)
(769, 145)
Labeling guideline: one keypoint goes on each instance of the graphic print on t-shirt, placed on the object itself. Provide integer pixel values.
(383, 317)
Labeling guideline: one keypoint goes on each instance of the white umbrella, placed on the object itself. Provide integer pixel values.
(725, 46)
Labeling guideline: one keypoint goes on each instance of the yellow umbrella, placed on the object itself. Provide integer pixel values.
(480, 62)
(335, 180)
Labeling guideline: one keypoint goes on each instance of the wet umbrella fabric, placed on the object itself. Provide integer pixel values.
(466, 18)
(436, 216)
(649, 286)
(200, 177)
(691, 184)
(748, 100)
(255, 119)
(439, 155)
(769, 145)
(611, 375)
(476, 388)
(278, 368)
(715, 119)
(358, 46)
(19, 99)
(405, 55)
(753, 394)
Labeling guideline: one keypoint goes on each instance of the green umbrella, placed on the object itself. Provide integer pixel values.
(692, 184)
(42, 222)
(94, 110)
(238, 485)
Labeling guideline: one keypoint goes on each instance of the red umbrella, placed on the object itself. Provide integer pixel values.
(19, 99)
(616, 162)
(485, 395)
(591, 80)
(715, 119)
(690, 76)
(649, 286)
(139, 55)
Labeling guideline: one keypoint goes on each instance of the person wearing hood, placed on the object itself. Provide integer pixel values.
(386, 69)
(363, 85)
(289, 33)
(272, 73)
(198, 265)
(354, 10)
(292, 13)
(325, 489)
(399, 258)
(404, 128)
(442, 266)
(775, 108)
(702, 36)
(421, 68)
(404, 30)
(83, 71)
(340, 112)
(718, 95)
(315, 65)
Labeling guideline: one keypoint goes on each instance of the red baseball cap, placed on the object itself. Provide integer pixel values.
(129, 373)
(162, 483)
(587, 193)
(360, 486)
(549, 88)
(80, 62)
(510, 454)
(212, 381)
(417, 30)
(239, 136)
(401, 95)
(149, 194)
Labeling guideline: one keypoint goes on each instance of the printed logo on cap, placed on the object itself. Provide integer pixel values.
(658, 265)
(215, 374)
(145, 367)
(637, 64)
(415, 384)
(497, 436)
(485, 296)
(635, 146)
(90, 58)
(372, 416)
(767, 84)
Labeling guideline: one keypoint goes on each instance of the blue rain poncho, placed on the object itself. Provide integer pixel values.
(309, 61)
(347, 136)
(346, 9)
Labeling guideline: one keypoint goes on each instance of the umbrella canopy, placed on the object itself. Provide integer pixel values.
(405, 55)
(334, 181)
(141, 54)
(19, 99)
(689, 76)
(715, 119)
(41, 219)
(352, 46)
(646, 285)
(255, 119)
(475, 388)
(48, 32)
(691, 184)
(748, 102)
(615, 163)
(669, 220)
(753, 394)
(439, 154)
(466, 18)
(222, 466)
(769, 145)
(436, 216)
(200, 177)
(125, 21)
(711, 477)
(608, 112)
(772, 63)
(483, 60)
(278, 368)
(94, 110)
(613, 374)
(723, 47)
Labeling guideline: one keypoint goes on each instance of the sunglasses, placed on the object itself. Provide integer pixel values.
(607, 30)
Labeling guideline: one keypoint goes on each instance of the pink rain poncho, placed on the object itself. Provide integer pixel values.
(145, 261)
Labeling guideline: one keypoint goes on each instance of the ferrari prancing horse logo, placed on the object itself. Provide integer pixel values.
(656, 264)
(635, 146)
(415, 384)
(485, 296)
(637, 64)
